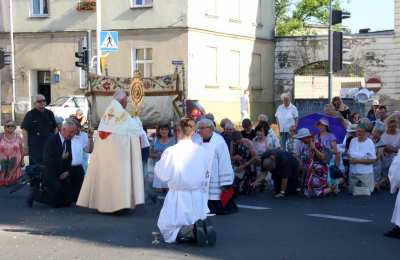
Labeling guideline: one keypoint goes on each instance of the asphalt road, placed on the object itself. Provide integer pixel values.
(274, 229)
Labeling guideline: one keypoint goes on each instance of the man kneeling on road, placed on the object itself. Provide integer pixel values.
(57, 186)
(185, 167)
(285, 170)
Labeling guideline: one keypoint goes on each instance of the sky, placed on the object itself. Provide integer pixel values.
(374, 14)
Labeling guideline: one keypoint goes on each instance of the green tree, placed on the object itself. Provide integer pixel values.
(292, 16)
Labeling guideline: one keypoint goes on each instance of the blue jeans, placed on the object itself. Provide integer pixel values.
(284, 138)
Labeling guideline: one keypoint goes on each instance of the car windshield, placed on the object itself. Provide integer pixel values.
(59, 102)
(80, 101)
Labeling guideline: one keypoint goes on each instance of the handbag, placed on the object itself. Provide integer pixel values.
(335, 172)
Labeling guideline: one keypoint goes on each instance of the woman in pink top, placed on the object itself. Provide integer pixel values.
(11, 155)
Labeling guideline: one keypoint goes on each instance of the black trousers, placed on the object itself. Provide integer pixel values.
(61, 193)
(216, 207)
(77, 175)
(56, 194)
(291, 186)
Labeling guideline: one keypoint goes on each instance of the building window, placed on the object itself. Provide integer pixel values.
(142, 60)
(40, 8)
(256, 72)
(235, 10)
(141, 3)
(44, 84)
(210, 63)
(234, 69)
(211, 8)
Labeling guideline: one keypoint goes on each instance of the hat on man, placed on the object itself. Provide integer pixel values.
(303, 133)
(376, 102)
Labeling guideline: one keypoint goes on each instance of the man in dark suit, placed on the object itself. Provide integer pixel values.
(56, 189)
(38, 125)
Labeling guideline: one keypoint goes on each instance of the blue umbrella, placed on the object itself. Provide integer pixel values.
(335, 125)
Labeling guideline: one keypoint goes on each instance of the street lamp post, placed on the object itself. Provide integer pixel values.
(330, 53)
(12, 60)
(98, 33)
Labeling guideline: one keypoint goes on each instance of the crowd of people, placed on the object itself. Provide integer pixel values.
(224, 161)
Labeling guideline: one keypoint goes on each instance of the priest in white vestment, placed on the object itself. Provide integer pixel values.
(222, 175)
(114, 180)
(394, 176)
(185, 168)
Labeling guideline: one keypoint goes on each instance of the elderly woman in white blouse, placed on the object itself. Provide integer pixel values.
(362, 156)
(286, 116)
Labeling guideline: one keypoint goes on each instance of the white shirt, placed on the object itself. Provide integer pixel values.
(286, 117)
(362, 150)
(78, 144)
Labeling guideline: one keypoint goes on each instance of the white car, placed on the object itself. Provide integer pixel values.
(66, 106)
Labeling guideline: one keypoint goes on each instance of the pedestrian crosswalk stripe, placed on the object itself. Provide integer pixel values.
(251, 207)
(349, 219)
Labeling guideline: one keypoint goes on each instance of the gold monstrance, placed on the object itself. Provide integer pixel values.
(136, 91)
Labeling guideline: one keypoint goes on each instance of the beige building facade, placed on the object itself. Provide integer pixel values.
(226, 45)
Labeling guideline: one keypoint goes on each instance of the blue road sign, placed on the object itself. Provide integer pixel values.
(109, 41)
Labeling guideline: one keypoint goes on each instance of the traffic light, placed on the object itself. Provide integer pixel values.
(337, 42)
(5, 58)
(338, 16)
(337, 51)
(2, 62)
(83, 59)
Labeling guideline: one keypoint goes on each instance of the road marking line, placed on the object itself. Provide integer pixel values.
(251, 207)
(160, 197)
(357, 220)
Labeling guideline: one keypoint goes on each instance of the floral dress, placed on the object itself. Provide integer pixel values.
(316, 180)
(10, 159)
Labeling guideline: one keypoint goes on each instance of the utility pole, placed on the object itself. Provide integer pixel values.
(98, 33)
(330, 54)
(12, 61)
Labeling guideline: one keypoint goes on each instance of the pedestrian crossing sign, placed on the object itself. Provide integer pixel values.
(109, 41)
